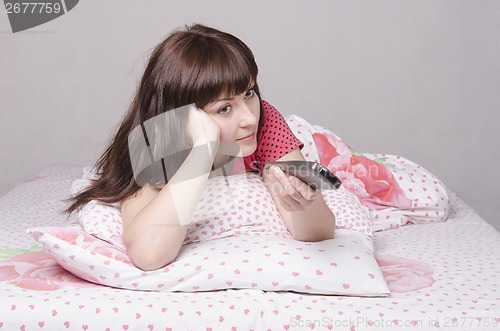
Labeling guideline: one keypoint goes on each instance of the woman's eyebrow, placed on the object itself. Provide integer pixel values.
(251, 86)
(224, 99)
(219, 100)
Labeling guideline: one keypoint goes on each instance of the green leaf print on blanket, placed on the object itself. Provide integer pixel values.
(6, 252)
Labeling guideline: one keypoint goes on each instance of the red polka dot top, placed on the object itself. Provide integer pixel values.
(276, 139)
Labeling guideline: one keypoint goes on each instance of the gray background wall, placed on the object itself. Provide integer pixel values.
(416, 78)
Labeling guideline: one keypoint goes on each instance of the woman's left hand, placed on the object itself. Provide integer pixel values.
(293, 194)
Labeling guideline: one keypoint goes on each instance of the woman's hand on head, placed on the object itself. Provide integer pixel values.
(201, 127)
(293, 194)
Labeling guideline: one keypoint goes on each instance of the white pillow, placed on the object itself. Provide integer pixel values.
(343, 266)
(234, 205)
(98, 219)
(237, 240)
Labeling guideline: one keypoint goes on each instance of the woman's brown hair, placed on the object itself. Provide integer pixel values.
(195, 65)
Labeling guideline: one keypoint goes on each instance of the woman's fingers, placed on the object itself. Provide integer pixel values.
(294, 194)
(285, 187)
(201, 127)
(305, 190)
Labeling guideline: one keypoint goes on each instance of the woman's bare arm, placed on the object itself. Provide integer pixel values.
(303, 210)
(155, 221)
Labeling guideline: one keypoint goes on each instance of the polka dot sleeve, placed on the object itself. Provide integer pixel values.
(276, 138)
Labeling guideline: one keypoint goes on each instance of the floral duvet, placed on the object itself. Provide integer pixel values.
(442, 276)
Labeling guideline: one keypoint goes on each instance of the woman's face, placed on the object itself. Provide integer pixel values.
(238, 119)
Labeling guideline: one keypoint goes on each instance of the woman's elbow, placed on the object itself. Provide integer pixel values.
(314, 237)
(148, 260)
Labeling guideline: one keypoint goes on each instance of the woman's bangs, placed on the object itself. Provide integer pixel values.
(225, 76)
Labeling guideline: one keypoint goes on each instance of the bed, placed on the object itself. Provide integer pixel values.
(442, 276)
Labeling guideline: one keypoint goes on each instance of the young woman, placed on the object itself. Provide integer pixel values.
(217, 73)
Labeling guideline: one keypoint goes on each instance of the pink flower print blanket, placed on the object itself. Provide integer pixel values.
(395, 190)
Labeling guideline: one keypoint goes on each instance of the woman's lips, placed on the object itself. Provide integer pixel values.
(247, 138)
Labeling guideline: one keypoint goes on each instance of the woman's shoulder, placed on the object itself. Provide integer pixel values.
(268, 108)
(270, 113)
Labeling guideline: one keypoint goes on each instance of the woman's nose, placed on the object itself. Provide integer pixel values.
(247, 116)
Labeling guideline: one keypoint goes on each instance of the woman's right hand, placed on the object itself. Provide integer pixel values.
(201, 127)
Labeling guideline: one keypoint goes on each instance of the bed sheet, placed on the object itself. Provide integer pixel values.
(442, 276)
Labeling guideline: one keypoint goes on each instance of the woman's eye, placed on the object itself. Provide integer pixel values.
(249, 93)
(224, 110)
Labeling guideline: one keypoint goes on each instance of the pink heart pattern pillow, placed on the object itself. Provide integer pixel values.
(239, 206)
(342, 266)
